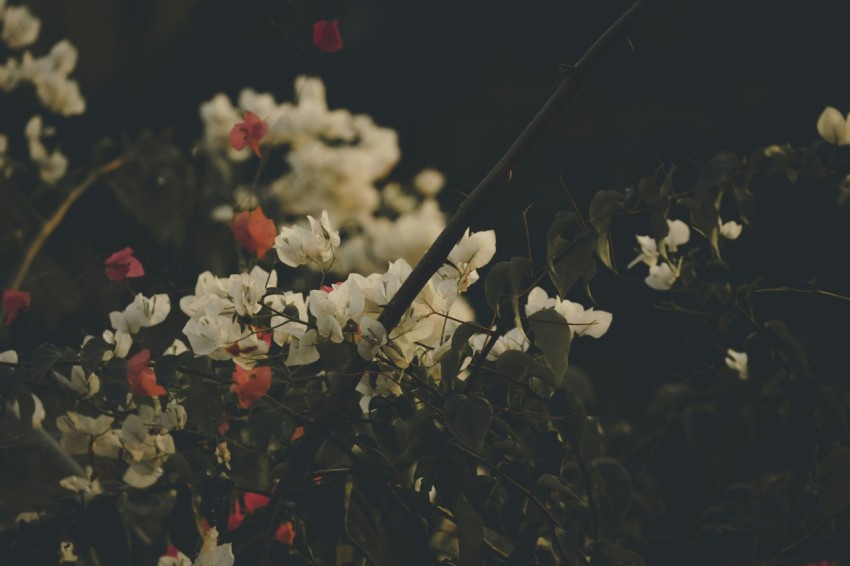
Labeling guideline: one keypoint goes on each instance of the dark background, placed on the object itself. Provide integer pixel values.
(458, 81)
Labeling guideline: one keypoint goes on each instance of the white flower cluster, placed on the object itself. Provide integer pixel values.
(346, 309)
(664, 270)
(48, 74)
(335, 160)
(582, 322)
(51, 166)
(143, 442)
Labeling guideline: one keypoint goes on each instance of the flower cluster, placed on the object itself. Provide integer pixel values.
(335, 162)
(48, 74)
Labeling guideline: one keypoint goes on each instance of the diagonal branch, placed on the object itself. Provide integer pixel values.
(333, 408)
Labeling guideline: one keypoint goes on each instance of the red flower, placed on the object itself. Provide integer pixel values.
(326, 35)
(142, 378)
(254, 231)
(14, 303)
(236, 517)
(251, 384)
(297, 434)
(249, 133)
(254, 501)
(122, 264)
(285, 534)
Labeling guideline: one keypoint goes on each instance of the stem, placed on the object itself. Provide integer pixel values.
(332, 411)
(51, 225)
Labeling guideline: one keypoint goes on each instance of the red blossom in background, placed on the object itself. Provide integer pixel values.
(121, 265)
(249, 132)
(251, 384)
(253, 231)
(14, 303)
(285, 532)
(142, 378)
(326, 35)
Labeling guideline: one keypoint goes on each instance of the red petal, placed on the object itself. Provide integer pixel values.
(236, 517)
(255, 146)
(326, 35)
(253, 231)
(238, 136)
(15, 302)
(122, 264)
(285, 534)
(297, 434)
(254, 501)
(141, 378)
(250, 385)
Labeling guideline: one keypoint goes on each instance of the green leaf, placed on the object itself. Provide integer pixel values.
(470, 532)
(468, 419)
(574, 261)
(521, 366)
(43, 359)
(495, 283)
(616, 492)
(92, 354)
(605, 206)
(833, 475)
(450, 362)
(573, 417)
(552, 335)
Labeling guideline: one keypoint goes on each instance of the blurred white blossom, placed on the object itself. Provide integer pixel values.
(737, 362)
(834, 127)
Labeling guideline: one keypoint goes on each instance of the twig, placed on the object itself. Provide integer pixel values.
(48, 227)
(803, 292)
(332, 410)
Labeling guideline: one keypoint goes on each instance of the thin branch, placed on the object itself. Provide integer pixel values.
(804, 292)
(48, 227)
(333, 409)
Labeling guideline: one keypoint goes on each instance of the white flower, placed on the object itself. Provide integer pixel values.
(302, 349)
(143, 312)
(85, 486)
(373, 336)
(297, 246)
(51, 167)
(213, 554)
(144, 452)
(38, 413)
(384, 387)
(79, 382)
(66, 552)
(78, 430)
(513, 339)
(246, 290)
(661, 277)
(179, 560)
(211, 334)
(737, 362)
(177, 347)
(474, 250)
(222, 454)
(29, 517)
(60, 94)
(429, 182)
(730, 230)
(679, 233)
(833, 127)
(20, 27)
(582, 322)
(335, 308)
(283, 326)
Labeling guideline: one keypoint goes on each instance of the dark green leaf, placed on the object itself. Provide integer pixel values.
(92, 354)
(552, 335)
(833, 476)
(470, 532)
(450, 362)
(468, 419)
(43, 359)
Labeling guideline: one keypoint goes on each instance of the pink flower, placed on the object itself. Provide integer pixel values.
(285, 534)
(251, 384)
(249, 133)
(14, 303)
(122, 264)
(326, 35)
(142, 378)
(253, 231)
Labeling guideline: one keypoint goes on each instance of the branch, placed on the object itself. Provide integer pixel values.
(51, 225)
(332, 410)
